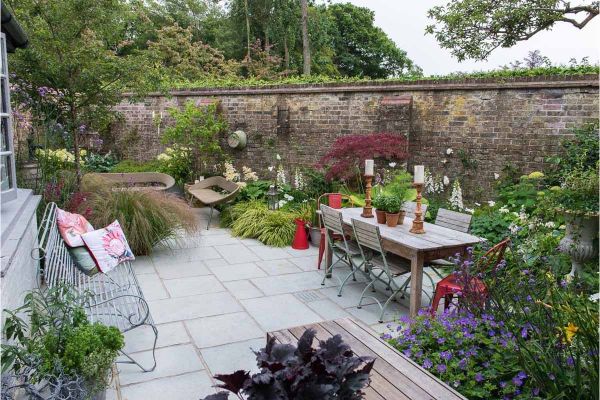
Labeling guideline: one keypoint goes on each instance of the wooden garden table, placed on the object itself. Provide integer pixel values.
(437, 242)
(393, 377)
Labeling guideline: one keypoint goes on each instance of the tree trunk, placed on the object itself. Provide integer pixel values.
(75, 130)
(286, 54)
(305, 43)
(247, 28)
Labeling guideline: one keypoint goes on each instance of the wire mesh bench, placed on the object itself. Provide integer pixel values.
(116, 298)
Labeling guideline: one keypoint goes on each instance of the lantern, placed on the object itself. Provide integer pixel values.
(273, 198)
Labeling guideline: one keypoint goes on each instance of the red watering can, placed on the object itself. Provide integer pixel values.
(300, 238)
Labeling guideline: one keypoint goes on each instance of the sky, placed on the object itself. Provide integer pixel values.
(404, 21)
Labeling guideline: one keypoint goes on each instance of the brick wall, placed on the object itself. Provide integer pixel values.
(490, 122)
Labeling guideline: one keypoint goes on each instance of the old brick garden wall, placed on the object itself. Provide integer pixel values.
(487, 124)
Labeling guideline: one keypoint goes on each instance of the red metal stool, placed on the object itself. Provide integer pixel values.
(334, 200)
(453, 285)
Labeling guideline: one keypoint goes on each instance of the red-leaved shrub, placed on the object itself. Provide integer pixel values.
(348, 154)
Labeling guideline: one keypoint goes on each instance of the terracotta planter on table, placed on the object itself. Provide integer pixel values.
(380, 216)
(392, 219)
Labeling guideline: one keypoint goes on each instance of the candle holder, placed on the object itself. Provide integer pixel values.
(417, 225)
(367, 209)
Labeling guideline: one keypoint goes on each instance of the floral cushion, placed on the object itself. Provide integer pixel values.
(71, 227)
(83, 260)
(108, 246)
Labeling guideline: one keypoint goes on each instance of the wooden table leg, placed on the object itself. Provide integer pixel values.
(328, 254)
(416, 283)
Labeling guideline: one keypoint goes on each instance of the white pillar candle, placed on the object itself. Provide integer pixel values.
(369, 164)
(419, 174)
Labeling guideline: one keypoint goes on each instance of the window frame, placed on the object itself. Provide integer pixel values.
(10, 193)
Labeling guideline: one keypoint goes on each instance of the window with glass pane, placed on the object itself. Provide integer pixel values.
(8, 186)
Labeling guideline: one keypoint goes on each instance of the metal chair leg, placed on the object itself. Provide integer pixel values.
(210, 217)
(132, 361)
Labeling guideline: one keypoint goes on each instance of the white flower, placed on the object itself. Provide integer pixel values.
(444, 161)
(281, 180)
(392, 165)
(298, 180)
(531, 226)
(271, 168)
(477, 204)
(491, 203)
(446, 180)
(550, 224)
(469, 210)
(456, 199)
(513, 228)
(249, 175)
(278, 157)
(449, 151)
(282, 203)
(230, 173)
(288, 197)
(496, 176)
(562, 227)
(595, 297)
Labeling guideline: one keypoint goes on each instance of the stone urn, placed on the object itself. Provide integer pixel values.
(579, 241)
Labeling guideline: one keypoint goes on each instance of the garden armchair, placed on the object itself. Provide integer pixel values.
(204, 191)
(410, 207)
(344, 249)
(452, 220)
(334, 200)
(380, 268)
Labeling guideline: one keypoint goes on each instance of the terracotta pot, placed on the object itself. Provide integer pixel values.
(392, 219)
(380, 216)
(402, 214)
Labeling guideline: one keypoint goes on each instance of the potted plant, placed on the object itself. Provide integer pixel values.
(379, 204)
(577, 200)
(393, 210)
(59, 354)
(331, 371)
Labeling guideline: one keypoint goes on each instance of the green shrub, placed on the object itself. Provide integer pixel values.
(57, 343)
(136, 166)
(147, 217)
(99, 163)
(277, 229)
(248, 220)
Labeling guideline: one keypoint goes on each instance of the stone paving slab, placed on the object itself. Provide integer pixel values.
(177, 269)
(290, 283)
(237, 272)
(223, 329)
(170, 361)
(152, 287)
(194, 385)
(142, 338)
(190, 307)
(236, 254)
(243, 289)
(277, 312)
(278, 267)
(232, 357)
(193, 285)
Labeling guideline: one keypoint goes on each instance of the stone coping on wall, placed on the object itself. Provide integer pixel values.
(533, 82)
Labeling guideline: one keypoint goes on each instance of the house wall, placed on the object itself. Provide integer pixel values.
(489, 122)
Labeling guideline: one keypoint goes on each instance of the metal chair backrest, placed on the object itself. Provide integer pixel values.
(368, 236)
(453, 220)
(332, 219)
(411, 206)
(492, 258)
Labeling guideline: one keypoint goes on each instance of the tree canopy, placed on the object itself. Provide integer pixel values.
(474, 28)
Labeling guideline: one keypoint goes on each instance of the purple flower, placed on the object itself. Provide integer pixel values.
(427, 363)
(516, 381)
(441, 368)
(536, 391)
(522, 375)
(570, 361)
(462, 364)
(502, 384)
(446, 355)
(43, 91)
(551, 376)
(407, 353)
(441, 340)
(479, 377)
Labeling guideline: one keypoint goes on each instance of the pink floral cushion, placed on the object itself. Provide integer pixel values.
(108, 246)
(71, 227)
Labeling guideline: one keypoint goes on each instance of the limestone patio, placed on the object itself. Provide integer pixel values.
(214, 296)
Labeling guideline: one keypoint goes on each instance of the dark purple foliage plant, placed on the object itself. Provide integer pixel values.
(287, 372)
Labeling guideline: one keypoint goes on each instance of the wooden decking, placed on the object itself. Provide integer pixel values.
(394, 376)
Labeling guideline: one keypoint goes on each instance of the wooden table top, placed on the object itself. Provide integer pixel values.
(435, 237)
(393, 377)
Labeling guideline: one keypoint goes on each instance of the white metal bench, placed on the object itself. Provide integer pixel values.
(116, 298)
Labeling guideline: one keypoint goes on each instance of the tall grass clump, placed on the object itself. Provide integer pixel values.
(147, 217)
